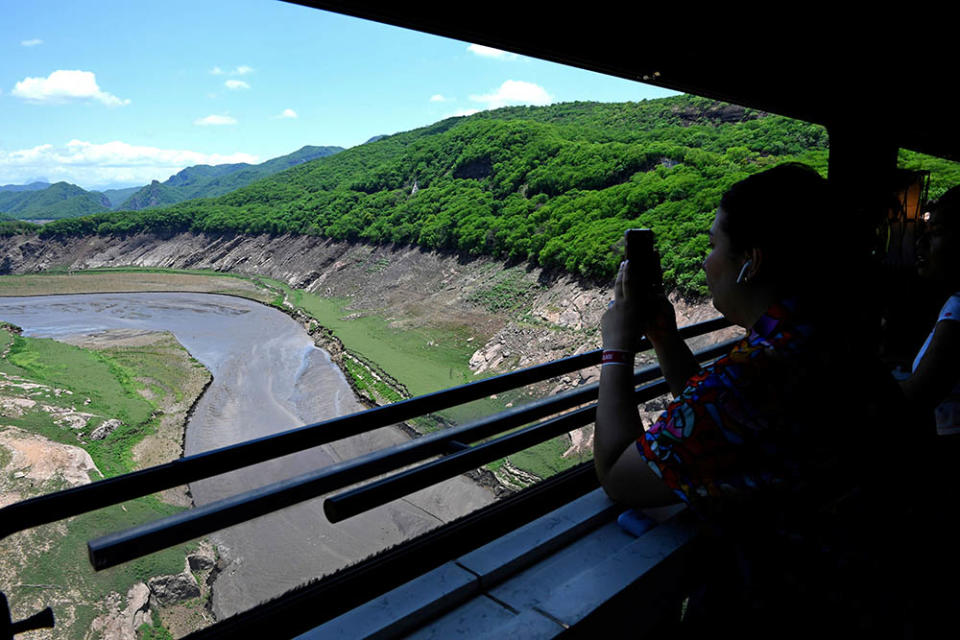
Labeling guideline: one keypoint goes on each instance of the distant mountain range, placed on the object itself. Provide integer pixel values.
(33, 186)
(206, 181)
(60, 200)
(44, 201)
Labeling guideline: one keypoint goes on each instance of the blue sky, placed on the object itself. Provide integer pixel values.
(105, 93)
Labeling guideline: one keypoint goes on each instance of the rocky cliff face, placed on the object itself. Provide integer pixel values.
(530, 315)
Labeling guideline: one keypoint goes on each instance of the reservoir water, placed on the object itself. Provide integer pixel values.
(267, 377)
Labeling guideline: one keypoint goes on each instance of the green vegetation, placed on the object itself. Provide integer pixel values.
(546, 459)
(60, 200)
(116, 197)
(111, 387)
(67, 380)
(16, 227)
(508, 293)
(423, 359)
(153, 631)
(418, 360)
(64, 562)
(943, 173)
(65, 200)
(552, 185)
(555, 186)
(205, 181)
(366, 383)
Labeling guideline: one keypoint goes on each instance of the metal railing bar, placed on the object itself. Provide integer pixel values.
(307, 606)
(113, 549)
(76, 500)
(377, 493)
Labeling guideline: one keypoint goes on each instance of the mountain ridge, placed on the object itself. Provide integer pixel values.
(59, 200)
(44, 201)
(555, 186)
(552, 186)
(32, 186)
(208, 181)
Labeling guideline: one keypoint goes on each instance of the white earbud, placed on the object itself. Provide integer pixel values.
(743, 271)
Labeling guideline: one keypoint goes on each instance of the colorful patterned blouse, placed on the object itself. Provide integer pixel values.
(735, 427)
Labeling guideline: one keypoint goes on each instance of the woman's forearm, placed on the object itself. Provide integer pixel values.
(676, 360)
(622, 470)
(618, 423)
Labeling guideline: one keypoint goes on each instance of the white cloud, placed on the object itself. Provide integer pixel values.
(63, 85)
(490, 52)
(439, 97)
(514, 92)
(214, 120)
(31, 43)
(287, 113)
(91, 165)
(240, 70)
(236, 84)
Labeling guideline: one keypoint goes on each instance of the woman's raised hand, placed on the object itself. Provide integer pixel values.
(637, 309)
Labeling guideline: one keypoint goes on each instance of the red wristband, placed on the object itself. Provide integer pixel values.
(617, 356)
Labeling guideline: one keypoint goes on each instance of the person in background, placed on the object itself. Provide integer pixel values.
(767, 443)
(933, 386)
(933, 393)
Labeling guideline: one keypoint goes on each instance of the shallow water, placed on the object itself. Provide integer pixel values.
(267, 377)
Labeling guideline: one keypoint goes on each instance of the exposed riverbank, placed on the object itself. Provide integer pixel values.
(268, 377)
(428, 320)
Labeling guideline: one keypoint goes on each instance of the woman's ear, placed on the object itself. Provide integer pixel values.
(752, 262)
(756, 263)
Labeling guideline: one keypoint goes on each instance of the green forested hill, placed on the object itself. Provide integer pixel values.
(206, 181)
(555, 185)
(60, 200)
(118, 196)
(155, 194)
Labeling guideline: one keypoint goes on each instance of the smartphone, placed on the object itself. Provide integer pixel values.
(644, 265)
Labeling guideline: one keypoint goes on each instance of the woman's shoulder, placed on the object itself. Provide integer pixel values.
(951, 308)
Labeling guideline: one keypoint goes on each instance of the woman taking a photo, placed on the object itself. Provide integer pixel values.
(765, 439)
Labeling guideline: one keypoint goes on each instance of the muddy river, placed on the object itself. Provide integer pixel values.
(267, 377)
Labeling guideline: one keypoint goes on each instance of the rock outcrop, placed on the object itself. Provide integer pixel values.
(37, 459)
(123, 624)
(171, 589)
(105, 429)
(202, 559)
